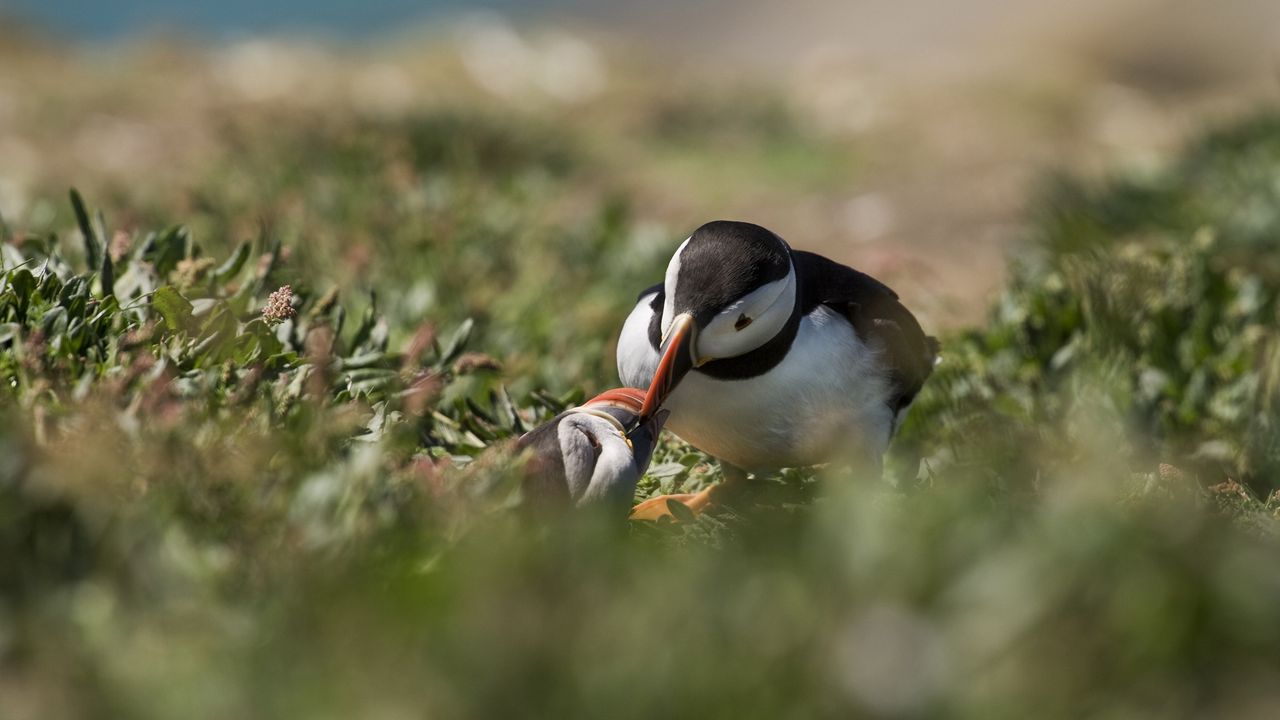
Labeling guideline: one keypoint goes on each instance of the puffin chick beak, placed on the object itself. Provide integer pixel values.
(677, 359)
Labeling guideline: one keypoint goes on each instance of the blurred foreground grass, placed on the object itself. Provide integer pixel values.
(206, 514)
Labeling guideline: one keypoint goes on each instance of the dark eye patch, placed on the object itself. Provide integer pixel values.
(742, 322)
(591, 438)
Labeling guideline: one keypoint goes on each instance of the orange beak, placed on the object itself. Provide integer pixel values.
(677, 360)
(625, 398)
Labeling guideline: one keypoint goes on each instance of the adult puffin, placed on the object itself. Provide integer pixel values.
(768, 357)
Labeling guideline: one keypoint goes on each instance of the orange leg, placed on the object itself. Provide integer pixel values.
(656, 507)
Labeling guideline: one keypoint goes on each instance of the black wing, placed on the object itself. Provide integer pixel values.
(657, 287)
(655, 323)
(544, 481)
(877, 316)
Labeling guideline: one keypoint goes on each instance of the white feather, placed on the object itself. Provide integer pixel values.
(769, 307)
(596, 474)
(669, 285)
(637, 360)
(825, 400)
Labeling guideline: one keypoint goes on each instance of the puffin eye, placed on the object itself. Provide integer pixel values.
(742, 322)
(591, 438)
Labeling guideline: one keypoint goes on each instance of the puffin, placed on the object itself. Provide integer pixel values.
(767, 357)
(590, 455)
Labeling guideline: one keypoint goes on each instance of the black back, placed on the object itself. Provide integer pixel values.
(876, 315)
(724, 261)
(544, 483)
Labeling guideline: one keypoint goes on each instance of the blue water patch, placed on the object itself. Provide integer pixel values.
(115, 19)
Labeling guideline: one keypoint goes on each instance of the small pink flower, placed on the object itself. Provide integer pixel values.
(121, 243)
(279, 306)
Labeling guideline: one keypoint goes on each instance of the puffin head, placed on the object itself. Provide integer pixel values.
(729, 289)
(586, 453)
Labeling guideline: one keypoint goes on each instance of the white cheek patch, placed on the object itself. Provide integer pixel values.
(578, 455)
(599, 470)
(669, 287)
(769, 307)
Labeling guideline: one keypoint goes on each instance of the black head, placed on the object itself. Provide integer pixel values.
(721, 263)
(730, 290)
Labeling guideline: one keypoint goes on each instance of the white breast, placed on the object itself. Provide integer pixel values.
(825, 401)
(637, 360)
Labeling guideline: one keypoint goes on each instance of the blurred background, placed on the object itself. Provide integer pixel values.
(205, 516)
(904, 138)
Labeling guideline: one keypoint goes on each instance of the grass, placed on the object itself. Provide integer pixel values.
(205, 512)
